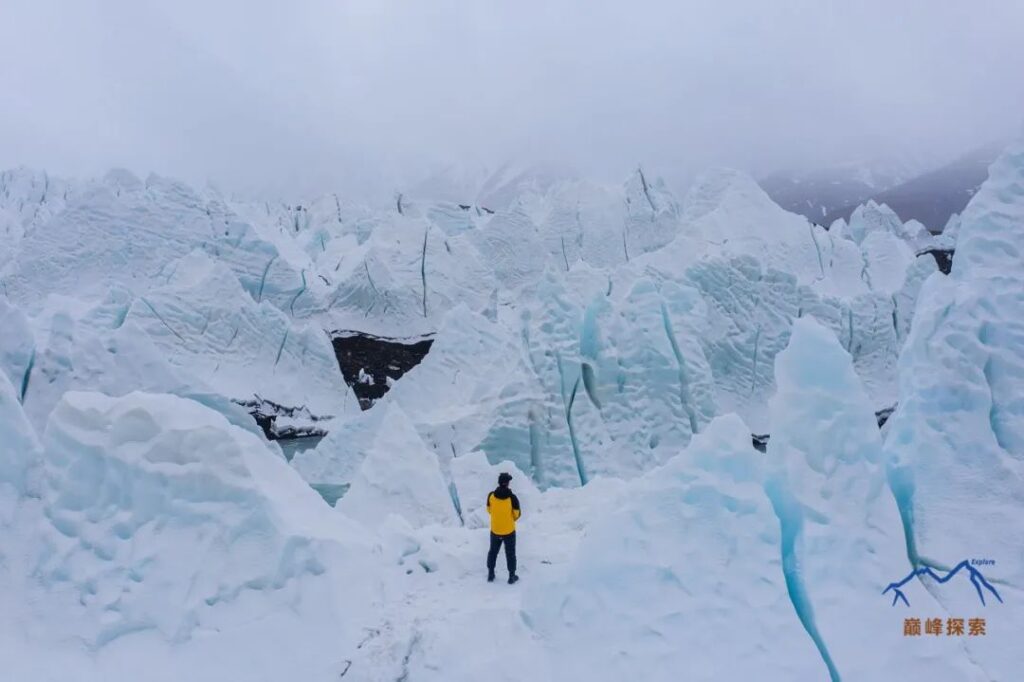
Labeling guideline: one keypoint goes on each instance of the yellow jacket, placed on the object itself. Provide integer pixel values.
(503, 506)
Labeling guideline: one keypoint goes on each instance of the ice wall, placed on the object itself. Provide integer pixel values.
(841, 534)
(958, 436)
(683, 573)
(164, 529)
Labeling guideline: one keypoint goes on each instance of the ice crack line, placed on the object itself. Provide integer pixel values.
(647, 190)
(821, 263)
(977, 579)
(263, 279)
(684, 383)
(162, 320)
(423, 270)
(291, 306)
(790, 515)
(25, 377)
(568, 403)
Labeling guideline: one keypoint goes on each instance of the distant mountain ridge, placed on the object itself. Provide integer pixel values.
(929, 195)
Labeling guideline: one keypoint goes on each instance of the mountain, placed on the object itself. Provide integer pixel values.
(924, 190)
(933, 197)
(817, 193)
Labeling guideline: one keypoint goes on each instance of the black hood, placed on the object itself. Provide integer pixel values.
(502, 492)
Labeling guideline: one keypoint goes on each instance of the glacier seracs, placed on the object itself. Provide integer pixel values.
(957, 438)
(841, 531)
(611, 346)
(162, 525)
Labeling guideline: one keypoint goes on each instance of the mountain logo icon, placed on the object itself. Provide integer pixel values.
(981, 584)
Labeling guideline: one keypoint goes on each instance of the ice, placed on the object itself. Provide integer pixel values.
(121, 230)
(333, 464)
(402, 279)
(17, 347)
(886, 261)
(28, 199)
(636, 355)
(207, 326)
(841, 533)
(20, 450)
(609, 345)
(166, 529)
(488, 392)
(682, 573)
(873, 217)
(474, 477)
(399, 475)
(510, 244)
(82, 346)
(399, 271)
(958, 435)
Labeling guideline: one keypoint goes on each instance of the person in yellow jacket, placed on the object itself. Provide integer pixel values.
(503, 507)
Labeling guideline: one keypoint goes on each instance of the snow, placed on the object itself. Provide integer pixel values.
(17, 347)
(958, 435)
(685, 562)
(205, 325)
(841, 526)
(399, 475)
(610, 346)
(20, 446)
(475, 477)
(169, 539)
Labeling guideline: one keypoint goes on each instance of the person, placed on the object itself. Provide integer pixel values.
(503, 507)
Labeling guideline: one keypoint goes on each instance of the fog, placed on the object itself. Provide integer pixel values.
(305, 96)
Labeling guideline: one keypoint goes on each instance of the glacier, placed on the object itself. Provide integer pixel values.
(957, 439)
(618, 350)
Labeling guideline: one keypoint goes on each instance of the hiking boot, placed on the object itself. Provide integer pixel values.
(513, 579)
(490, 576)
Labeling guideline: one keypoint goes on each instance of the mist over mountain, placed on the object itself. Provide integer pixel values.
(928, 191)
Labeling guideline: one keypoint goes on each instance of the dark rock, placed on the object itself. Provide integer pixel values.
(266, 413)
(377, 358)
(883, 415)
(943, 258)
(760, 441)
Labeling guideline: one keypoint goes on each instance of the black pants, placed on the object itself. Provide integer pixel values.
(510, 551)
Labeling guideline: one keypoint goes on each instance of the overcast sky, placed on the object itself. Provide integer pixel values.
(299, 96)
